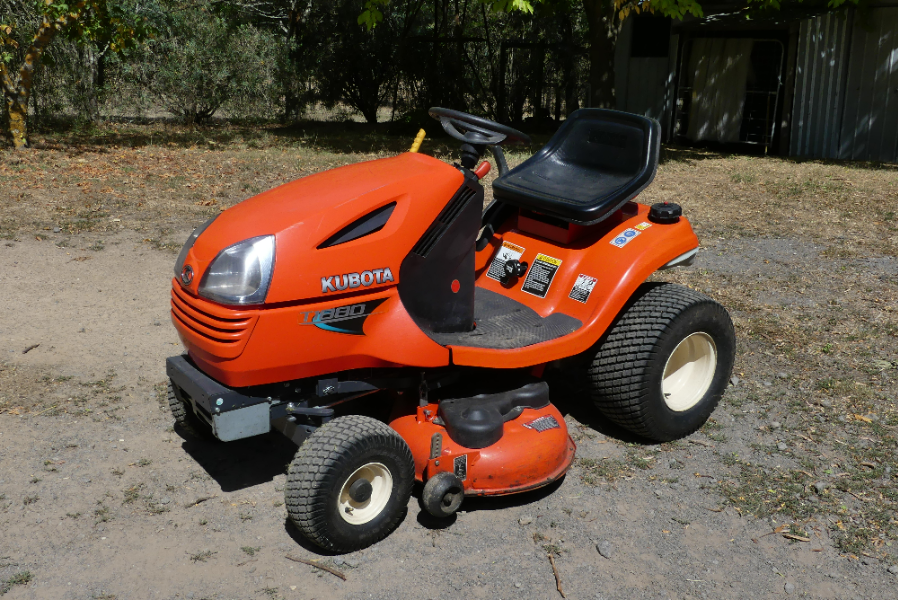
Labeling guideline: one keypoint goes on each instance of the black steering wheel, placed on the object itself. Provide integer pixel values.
(476, 131)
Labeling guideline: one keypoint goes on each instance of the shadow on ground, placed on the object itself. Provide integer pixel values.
(243, 463)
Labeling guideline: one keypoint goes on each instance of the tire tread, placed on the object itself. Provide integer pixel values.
(616, 376)
(318, 463)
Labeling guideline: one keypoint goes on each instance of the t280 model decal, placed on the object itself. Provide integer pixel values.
(342, 319)
(354, 280)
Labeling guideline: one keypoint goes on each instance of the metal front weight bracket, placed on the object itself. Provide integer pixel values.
(297, 432)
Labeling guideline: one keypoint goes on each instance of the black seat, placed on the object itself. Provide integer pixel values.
(596, 161)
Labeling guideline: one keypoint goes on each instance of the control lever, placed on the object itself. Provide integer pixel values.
(513, 270)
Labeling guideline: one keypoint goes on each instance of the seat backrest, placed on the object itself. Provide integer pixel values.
(604, 140)
(596, 161)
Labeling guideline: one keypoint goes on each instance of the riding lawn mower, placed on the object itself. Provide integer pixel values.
(380, 318)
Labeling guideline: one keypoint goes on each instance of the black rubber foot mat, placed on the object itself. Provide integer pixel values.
(503, 323)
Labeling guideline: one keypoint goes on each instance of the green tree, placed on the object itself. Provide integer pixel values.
(84, 20)
(201, 61)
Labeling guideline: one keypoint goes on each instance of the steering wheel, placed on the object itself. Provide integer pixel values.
(476, 130)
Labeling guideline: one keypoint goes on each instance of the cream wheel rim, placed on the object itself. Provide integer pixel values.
(359, 513)
(689, 372)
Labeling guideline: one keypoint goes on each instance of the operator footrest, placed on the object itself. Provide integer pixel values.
(477, 422)
(504, 324)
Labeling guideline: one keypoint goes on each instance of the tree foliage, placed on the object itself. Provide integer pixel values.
(200, 60)
(507, 59)
(28, 28)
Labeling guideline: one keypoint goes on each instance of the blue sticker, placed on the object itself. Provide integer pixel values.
(623, 239)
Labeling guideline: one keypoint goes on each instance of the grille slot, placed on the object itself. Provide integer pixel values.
(218, 329)
(449, 213)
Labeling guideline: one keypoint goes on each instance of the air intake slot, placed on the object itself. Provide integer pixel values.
(373, 222)
(443, 220)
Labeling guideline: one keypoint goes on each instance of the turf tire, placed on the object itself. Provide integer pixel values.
(325, 462)
(626, 372)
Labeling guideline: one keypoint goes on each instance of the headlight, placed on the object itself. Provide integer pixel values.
(241, 273)
(179, 264)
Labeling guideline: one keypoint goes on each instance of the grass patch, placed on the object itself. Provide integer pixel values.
(20, 578)
(202, 556)
(132, 493)
(103, 514)
(593, 471)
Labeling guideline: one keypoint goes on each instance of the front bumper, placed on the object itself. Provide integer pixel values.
(231, 415)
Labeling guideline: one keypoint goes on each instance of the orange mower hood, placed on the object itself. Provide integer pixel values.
(304, 215)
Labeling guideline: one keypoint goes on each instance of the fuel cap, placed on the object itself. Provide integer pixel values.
(665, 213)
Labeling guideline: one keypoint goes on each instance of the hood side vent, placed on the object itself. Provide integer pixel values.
(443, 220)
(373, 222)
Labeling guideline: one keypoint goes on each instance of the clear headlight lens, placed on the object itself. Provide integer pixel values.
(241, 273)
(179, 264)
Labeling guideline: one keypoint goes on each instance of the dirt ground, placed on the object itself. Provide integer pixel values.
(790, 489)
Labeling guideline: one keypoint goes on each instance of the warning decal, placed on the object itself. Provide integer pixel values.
(582, 288)
(540, 275)
(643, 226)
(507, 252)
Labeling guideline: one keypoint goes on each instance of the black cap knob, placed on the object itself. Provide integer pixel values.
(513, 270)
(665, 213)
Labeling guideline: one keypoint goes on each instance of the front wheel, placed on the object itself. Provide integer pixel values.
(665, 363)
(350, 483)
(184, 416)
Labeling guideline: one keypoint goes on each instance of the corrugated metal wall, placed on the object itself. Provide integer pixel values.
(820, 71)
(846, 87)
(649, 91)
(870, 119)
(645, 86)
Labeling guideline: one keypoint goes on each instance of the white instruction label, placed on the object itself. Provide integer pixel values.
(507, 252)
(582, 288)
(540, 275)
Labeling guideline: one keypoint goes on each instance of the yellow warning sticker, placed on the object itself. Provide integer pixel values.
(643, 226)
(548, 259)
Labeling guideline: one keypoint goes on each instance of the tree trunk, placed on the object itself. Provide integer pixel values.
(19, 92)
(87, 88)
(18, 123)
(602, 35)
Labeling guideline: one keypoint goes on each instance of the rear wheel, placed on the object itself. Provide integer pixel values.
(664, 365)
(183, 414)
(350, 483)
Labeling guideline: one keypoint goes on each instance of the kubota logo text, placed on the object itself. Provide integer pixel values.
(354, 280)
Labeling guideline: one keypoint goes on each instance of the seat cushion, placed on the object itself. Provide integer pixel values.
(596, 162)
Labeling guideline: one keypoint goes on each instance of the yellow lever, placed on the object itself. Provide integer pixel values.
(416, 145)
